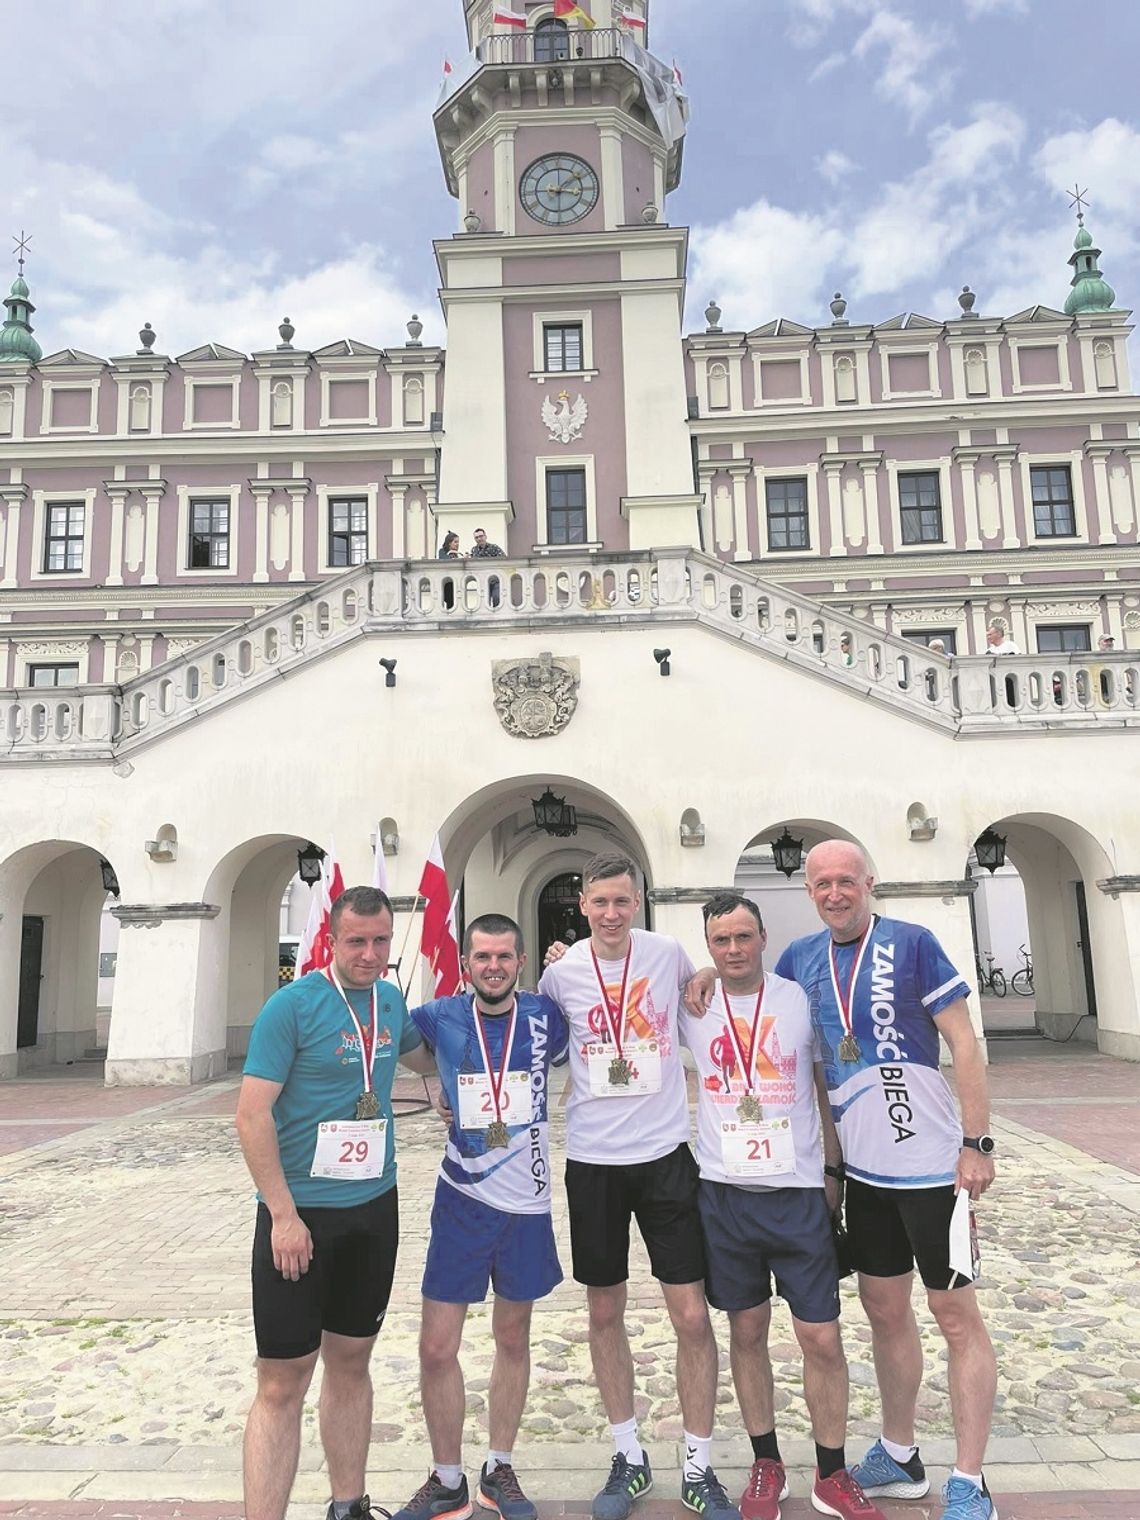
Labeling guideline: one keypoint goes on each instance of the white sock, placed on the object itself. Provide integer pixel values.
(497, 1459)
(447, 1473)
(901, 1454)
(625, 1441)
(974, 1478)
(698, 1455)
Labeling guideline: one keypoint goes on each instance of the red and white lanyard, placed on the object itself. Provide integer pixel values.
(504, 1065)
(617, 1024)
(748, 1064)
(844, 1003)
(367, 1041)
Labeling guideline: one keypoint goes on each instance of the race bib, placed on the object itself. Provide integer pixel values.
(477, 1102)
(640, 1064)
(349, 1150)
(761, 1149)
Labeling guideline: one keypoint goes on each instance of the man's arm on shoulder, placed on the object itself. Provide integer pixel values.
(257, 1134)
(975, 1171)
(419, 1059)
(832, 1150)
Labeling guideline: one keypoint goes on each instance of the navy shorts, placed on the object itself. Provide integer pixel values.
(474, 1246)
(891, 1230)
(753, 1235)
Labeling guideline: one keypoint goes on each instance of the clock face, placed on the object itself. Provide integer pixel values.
(559, 189)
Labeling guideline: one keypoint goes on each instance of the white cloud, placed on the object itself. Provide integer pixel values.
(835, 166)
(907, 77)
(1106, 158)
(975, 8)
(826, 66)
(764, 262)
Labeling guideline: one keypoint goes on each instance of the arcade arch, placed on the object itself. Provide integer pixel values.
(784, 905)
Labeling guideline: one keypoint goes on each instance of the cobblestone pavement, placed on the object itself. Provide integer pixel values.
(127, 1354)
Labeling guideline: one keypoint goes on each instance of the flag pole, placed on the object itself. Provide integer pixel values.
(404, 946)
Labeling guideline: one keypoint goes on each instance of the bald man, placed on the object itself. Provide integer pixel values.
(881, 992)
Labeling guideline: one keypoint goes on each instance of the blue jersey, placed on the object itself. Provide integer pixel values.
(895, 1113)
(515, 1179)
(304, 1039)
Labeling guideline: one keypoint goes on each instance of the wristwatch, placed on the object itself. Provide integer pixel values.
(983, 1143)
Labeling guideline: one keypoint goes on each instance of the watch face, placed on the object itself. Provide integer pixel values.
(559, 189)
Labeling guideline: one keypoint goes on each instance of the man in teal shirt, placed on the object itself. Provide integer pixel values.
(314, 1119)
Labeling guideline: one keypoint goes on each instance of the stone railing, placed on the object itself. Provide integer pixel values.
(960, 696)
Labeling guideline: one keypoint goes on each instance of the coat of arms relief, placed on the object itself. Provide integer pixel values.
(535, 698)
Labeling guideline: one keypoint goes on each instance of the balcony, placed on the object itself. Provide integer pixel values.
(550, 48)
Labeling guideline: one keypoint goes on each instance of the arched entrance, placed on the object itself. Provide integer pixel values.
(784, 905)
(559, 914)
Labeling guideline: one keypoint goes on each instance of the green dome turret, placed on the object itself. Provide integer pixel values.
(17, 346)
(1090, 290)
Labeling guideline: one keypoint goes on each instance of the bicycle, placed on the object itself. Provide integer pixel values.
(1022, 979)
(990, 977)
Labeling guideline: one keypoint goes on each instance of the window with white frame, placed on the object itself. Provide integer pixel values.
(920, 508)
(566, 507)
(348, 531)
(209, 547)
(53, 674)
(947, 637)
(787, 508)
(562, 346)
(1063, 638)
(63, 537)
(1054, 515)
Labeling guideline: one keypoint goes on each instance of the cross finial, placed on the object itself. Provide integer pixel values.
(1078, 201)
(22, 247)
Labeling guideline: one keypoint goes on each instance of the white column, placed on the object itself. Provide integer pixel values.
(1099, 455)
(153, 495)
(1010, 539)
(740, 510)
(399, 495)
(871, 508)
(970, 503)
(261, 494)
(613, 185)
(297, 548)
(117, 496)
(13, 539)
(835, 508)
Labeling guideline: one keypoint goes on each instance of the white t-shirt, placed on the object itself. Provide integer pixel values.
(630, 1129)
(783, 1077)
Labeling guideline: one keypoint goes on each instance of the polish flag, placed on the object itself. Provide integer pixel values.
(439, 944)
(501, 17)
(380, 865)
(632, 19)
(677, 75)
(314, 952)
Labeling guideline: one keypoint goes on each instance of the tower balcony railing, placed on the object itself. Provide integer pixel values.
(973, 695)
(546, 48)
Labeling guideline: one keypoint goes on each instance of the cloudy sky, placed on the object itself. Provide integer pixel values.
(212, 165)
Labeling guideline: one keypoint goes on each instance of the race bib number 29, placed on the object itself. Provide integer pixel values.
(350, 1150)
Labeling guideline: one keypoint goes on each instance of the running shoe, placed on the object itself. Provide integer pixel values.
(435, 1502)
(767, 1485)
(840, 1495)
(880, 1476)
(500, 1490)
(360, 1509)
(966, 1501)
(706, 1495)
(627, 1481)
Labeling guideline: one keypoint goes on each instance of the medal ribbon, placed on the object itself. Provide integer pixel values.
(367, 1041)
(504, 1065)
(617, 1024)
(747, 1066)
(844, 1004)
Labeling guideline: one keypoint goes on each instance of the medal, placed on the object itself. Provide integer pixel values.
(620, 1069)
(849, 1048)
(620, 1072)
(848, 1045)
(498, 1136)
(749, 1109)
(367, 1105)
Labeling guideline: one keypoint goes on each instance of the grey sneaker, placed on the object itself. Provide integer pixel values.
(435, 1502)
(627, 1481)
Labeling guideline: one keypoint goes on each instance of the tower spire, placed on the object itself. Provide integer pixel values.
(17, 345)
(1090, 290)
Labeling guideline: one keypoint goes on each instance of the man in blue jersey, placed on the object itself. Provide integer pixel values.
(490, 1223)
(314, 1119)
(881, 994)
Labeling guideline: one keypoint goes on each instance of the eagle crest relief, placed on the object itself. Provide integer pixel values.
(535, 698)
(564, 421)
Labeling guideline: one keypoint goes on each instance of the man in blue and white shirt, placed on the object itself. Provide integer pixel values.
(881, 993)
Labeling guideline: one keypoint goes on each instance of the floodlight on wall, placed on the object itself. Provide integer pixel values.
(787, 853)
(989, 849)
(110, 880)
(662, 658)
(389, 672)
(309, 861)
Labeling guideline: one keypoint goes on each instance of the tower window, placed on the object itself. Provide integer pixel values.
(920, 508)
(566, 506)
(1053, 515)
(787, 514)
(562, 347)
(551, 41)
(348, 531)
(63, 541)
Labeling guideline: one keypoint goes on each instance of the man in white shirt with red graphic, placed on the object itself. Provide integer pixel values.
(627, 1131)
(763, 1205)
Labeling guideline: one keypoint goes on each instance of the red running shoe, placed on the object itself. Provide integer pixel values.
(767, 1485)
(840, 1495)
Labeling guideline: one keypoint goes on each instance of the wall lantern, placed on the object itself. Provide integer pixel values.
(553, 815)
(309, 864)
(787, 853)
(110, 880)
(990, 850)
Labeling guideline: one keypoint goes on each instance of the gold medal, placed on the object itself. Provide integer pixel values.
(498, 1136)
(367, 1106)
(749, 1109)
(620, 1072)
(849, 1048)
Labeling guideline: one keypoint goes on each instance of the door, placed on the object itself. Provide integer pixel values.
(559, 916)
(31, 968)
(1084, 947)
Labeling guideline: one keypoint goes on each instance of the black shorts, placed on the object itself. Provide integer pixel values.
(891, 1230)
(752, 1234)
(346, 1288)
(661, 1195)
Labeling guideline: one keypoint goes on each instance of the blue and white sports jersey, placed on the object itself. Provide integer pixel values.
(897, 1119)
(515, 1179)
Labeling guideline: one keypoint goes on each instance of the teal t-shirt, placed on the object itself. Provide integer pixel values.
(304, 1039)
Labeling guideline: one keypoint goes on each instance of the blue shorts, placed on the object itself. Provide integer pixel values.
(473, 1245)
(752, 1235)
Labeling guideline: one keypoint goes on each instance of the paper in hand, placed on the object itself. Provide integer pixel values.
(961, 1252)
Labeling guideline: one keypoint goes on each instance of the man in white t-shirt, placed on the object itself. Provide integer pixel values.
(627, 1131)
(763, 1205)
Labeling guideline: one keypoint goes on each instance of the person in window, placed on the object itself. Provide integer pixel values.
(998, 639)
(483, 549)
(449, 549)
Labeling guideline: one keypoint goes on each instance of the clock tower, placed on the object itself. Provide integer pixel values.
(565, 406)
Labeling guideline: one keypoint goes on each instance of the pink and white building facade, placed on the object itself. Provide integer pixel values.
(202, 558)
